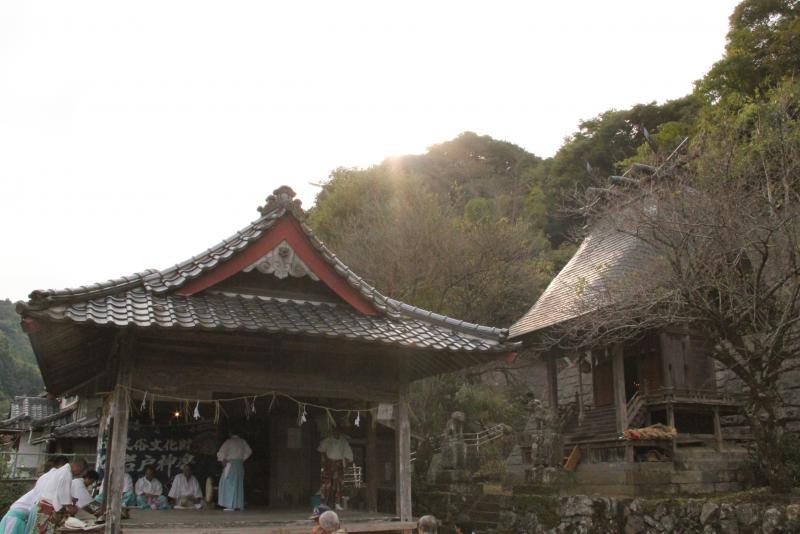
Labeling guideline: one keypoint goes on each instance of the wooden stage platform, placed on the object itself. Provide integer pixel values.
(252, 521)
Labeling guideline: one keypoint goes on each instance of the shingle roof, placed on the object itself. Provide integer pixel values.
(586, 282)
(148, 299)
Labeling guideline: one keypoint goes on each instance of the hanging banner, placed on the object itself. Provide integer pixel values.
(168, 447)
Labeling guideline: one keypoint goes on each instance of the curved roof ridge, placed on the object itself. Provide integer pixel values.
(43, 298)
(277, 205)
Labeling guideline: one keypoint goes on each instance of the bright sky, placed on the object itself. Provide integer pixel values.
(137, 134)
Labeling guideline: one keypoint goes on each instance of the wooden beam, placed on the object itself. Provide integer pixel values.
(403, 450)
(552, 382)
(718, 429)
(373, 476)
(580, 387)
(618, 373)
(115, 461)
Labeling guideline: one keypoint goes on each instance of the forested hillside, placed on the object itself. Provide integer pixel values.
(18, 372)
(477, 227)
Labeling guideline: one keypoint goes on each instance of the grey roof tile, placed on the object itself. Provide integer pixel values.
(148, 299)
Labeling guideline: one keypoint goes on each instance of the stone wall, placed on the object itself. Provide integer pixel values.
(788, 384)
(537, 514)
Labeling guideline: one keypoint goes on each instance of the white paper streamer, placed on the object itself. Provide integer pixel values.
(197, 410)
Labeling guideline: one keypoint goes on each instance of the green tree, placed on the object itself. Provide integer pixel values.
(763, 48)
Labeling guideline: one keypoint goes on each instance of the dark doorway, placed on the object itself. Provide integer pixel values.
(631, 377)
(254, 428)
(603, 382)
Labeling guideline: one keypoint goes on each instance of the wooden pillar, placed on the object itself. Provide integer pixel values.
(372, 465)
(115, 460)
(717, 429)
(618, 373)
(402, 435)
(580, 388)
(671, 422)
(552, 382)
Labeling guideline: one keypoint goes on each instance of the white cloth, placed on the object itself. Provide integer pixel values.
(26, 502)
(127, 485)
(234, 448)
(336, 449)
(151, 487)
(57, 489)
(181, 487)
(80, 493)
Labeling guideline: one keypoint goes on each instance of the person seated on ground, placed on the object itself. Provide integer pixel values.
(185, 491)
(128, 496)
(463, 525)
(149, 491)
(318, 511)
(427, 525)
(329, 522)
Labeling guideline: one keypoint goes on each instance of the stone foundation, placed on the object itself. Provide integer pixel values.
(580, 514)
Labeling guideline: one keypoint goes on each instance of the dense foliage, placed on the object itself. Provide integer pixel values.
(477, 227)
(18, 372)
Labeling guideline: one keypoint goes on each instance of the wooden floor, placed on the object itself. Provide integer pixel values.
(252, 521)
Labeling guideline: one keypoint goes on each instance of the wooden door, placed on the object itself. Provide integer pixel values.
(603, 381)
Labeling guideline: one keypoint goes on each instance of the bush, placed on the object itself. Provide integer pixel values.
(10, 491)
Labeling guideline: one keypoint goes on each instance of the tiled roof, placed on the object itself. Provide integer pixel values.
(35, 412)
(32, 407)
(148, 299)
(78, 429)
(227, 311)
(85, 428)
(587, 281)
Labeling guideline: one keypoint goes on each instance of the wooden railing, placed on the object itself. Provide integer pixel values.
(474, 440)
(701, 396)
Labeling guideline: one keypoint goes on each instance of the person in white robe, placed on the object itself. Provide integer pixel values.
(185, 490)
(150, 492)
(80, 488)
(15, 521)
(128, 496)
(336, 454)
(232, 454)
(55, 495)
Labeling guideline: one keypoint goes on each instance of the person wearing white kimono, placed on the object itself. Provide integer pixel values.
(232, 454)
(185, 491)
(80, 488)
(149, 491)
(16, 519)
(128, 496)
(56, 494)
(336, 455)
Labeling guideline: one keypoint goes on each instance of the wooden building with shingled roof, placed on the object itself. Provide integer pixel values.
(267, 330)
(664, 376)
